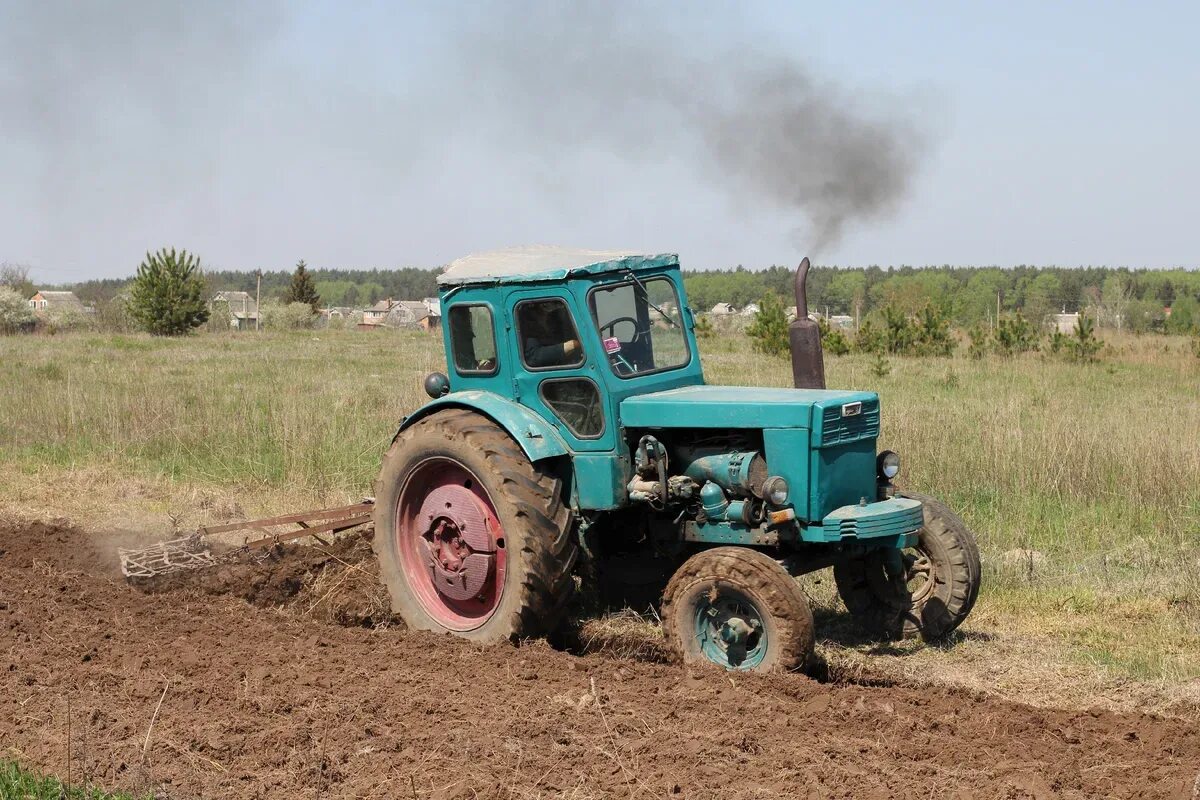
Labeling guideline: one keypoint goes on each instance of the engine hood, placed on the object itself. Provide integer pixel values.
(735, 407)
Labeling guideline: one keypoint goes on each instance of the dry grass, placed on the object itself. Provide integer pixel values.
(1082, 482)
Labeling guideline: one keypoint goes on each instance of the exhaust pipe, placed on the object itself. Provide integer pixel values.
(808, 362)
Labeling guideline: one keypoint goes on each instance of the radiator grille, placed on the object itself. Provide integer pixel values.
(836, 429)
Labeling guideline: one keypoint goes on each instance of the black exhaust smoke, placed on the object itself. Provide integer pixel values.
(808, 362)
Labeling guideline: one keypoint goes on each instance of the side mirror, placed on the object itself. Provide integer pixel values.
(436, 385)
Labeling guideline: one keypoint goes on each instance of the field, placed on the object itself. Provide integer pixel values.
(1081, 481)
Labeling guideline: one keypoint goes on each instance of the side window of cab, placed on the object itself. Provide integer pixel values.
(547, 335)
(473, 339)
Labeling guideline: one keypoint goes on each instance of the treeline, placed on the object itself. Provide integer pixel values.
(336, 287)
(966, 296)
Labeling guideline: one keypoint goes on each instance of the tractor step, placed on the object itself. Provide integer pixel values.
(193, 552)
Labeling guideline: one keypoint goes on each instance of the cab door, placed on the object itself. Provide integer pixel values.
(554, 374)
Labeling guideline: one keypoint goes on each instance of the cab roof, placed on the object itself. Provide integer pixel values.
(537, 263)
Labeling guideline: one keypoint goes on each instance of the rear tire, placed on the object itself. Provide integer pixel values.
(731, 589)
(940, 587)
(472, 538)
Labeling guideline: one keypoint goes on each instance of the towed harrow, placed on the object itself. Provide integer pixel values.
(195, 551)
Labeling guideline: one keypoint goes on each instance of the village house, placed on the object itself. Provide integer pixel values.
(721, 309)
(243, 311)
(1064, 322)
(423, 314)
(45, 303)
(750, 310)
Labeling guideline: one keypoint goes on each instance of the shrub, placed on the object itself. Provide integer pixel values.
(981, 341)
(925, 334)
(167, 296)
(1083, 346)
(933, 332)
(1015, 335)
(704, 327)
(880, 366)
(62, 320)
(833, 340)
(770, 328)
(15, 313)
(870, 339)
(292, 316)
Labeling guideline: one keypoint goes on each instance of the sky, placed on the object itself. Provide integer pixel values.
(380, 134)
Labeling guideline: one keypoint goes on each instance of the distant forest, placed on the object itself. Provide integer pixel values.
(966, 295)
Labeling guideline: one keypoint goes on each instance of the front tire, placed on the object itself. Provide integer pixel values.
(472, 538)
(937, 590)
(739, 609)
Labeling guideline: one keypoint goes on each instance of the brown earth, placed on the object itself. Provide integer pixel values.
(191, 691)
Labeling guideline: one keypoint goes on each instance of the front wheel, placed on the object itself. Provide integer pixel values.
(926, 590)
(739, 609)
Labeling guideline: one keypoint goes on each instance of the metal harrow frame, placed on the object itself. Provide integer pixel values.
(193, 552)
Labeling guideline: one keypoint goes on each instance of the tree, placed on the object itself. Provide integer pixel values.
(302, 288)
(167, 296)
(770, 328)
(1115, 297)
(16, 277)
(15, 313)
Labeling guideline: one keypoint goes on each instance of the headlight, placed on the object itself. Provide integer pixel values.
(888, 464)
(775, 490)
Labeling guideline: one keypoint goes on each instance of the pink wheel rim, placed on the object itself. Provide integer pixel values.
(451, 544)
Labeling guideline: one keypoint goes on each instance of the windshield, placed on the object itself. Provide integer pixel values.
(641, 326)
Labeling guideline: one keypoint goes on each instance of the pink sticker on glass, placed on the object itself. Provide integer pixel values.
(612, 345)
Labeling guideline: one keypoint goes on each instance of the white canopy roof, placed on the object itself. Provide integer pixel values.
(538, 262)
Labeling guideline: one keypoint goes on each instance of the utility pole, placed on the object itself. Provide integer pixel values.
(257, 296)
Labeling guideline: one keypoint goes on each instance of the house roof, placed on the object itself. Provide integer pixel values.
(536, 263)
(60, 299)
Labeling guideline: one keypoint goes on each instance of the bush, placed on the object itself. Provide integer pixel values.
(62, 320)
(833, 340)
(293, 316)
(933, 332)
(870, 339)
(15, 313)
(981, 341)
(925, 334)
(1015, 335)
(770, 328)
(1083, 347)
(704, 327)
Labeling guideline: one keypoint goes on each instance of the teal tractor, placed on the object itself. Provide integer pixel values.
(574, 439)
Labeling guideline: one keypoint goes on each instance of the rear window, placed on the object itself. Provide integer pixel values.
(473, 339)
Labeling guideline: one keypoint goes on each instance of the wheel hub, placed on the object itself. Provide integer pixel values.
(729, 628)
(456, 546)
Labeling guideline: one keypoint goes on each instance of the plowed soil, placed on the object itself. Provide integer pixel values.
(189, 690)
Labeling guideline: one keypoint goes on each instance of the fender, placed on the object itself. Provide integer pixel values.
(535, 436)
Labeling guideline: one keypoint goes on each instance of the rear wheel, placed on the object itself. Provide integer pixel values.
(472, 538)
(927, 591)
(739, 609)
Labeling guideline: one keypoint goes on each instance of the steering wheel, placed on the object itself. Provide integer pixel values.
(612, 324)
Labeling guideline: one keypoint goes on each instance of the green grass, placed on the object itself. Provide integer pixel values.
(21, 784)
(1094, 470)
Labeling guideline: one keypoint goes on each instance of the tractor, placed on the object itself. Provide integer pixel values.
(573, 435)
